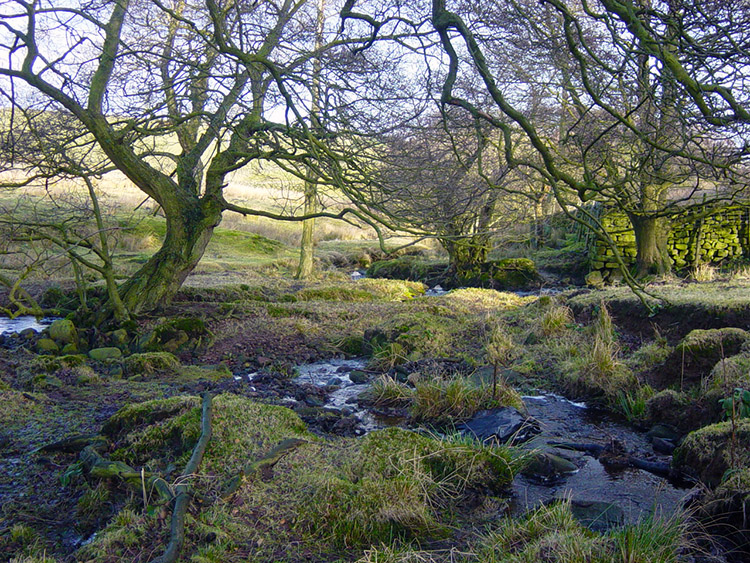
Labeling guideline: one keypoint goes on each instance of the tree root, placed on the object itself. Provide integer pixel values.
(263, 465)
(182, 491)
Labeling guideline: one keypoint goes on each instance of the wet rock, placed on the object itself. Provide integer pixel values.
(597, 515)
(314, 401)
(546, 466)
(503, 424)
(63, 331)
(107, 353)
(334, 382)
(27, 334)
(663, 446)
(358, 376)
(346, 426)
(665, 432)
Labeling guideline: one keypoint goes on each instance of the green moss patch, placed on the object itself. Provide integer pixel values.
(710, 452)
(149, 363)
(319, 498)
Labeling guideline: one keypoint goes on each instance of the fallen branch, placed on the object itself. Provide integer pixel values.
(75, 444)
(182, 491)
(263, 464)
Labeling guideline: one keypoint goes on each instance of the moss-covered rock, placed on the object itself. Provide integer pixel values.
(178, 335)
(150, 362)
(709, 452)
(514, 273)
(63, 331)
(104, 354)
(47, 346)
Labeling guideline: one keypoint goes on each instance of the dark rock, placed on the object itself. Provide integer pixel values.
(27, 334)
(545, 466)
(663, 446)
(358, 376)
(503, 424)
(314, 401)
(346, 426)
(334, 382)
(665, 432)
(596, 515)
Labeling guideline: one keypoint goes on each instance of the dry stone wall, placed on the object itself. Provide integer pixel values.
(693, 239)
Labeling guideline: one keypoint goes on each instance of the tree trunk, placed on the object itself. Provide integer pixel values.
(190, 224)
(466, 255)
(306, 266)
(651, 243)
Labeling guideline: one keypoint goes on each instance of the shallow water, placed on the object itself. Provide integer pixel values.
(637, 492)
(8, 325)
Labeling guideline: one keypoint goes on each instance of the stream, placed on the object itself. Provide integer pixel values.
(8, 325)
(602, 491)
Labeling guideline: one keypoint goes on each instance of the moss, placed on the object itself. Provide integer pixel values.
(514, 273)
(134, 415)
(197, 373)
(708, 453)
(392, 290)
(51, 364)
(730, 373)
(334, 293)
(712, 344)
(150, 362)
(188, 334)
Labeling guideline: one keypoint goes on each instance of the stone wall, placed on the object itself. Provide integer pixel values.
(723, 235)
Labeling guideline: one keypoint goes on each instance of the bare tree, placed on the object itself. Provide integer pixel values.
(177, 95)
(650, 98)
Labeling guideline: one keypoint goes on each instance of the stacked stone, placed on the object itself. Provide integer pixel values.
(723, 235)
(603, 259)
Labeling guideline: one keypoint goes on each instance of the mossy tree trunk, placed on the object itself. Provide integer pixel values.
(467, 254)
(652, 255)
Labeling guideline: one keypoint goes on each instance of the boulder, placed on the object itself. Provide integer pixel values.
(107, 353)
(47, 346)
(504, 424)
(178, 335)
(358, 376)
(63, 331)
(594, 279)
(546, 466)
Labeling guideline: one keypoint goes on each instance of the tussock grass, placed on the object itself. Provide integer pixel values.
(444, 401)
(556, 320)
(551, 534)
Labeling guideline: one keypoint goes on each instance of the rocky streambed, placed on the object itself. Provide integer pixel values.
(612, 473)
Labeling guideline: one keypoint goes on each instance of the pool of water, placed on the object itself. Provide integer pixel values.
(638, 493)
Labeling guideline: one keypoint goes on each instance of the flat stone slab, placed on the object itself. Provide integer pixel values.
(504, 424)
